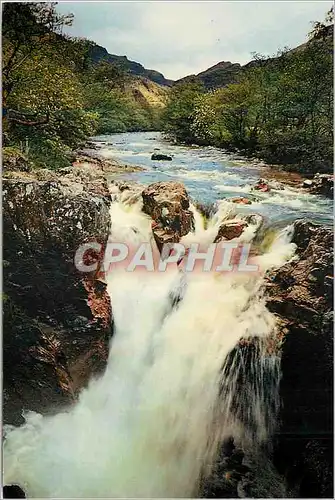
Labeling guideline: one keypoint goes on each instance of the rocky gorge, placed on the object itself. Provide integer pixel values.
(58, 323)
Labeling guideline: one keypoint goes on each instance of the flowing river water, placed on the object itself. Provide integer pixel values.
(210, 174)
(151, 425)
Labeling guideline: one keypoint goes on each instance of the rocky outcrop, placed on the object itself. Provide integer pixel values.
(262, 185)
(301, 295)
(320, 184)
(91, 157)
(168, 205)
(57, 320)
(301, 461)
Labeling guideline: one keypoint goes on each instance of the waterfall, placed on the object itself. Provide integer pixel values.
(168, 396)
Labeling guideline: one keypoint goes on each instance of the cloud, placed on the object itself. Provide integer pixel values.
(180, 38)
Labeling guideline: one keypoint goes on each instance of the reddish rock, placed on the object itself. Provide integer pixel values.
(230, 229)
(262, 185)
(241, 201)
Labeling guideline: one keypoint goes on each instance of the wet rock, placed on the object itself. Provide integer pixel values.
(262, 185)
(206, 209)
(230, 230)
(95, 161)
(161, 157)
(57, 320)
(241, 201)
(323, 184)
(307, 183)
(301, 295)
(129, 192)
(93, 145)
(253, 219)
(168, 204)
(297, 289)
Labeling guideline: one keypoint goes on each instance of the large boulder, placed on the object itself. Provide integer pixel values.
(230, 229)
(301, 295)
(168, 205)
(323, 184)
(57, 320)
(320, 184)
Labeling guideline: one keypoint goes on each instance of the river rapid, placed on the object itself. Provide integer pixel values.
(211, 174)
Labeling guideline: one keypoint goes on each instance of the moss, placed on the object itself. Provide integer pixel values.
(14, 159)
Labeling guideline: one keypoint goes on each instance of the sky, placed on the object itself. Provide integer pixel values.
(183, 38)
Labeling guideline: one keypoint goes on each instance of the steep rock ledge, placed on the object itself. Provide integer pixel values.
(299, 460)
(301, 295)
(57, 321)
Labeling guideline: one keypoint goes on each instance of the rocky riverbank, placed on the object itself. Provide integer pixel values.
(301, 295)
(57, 321)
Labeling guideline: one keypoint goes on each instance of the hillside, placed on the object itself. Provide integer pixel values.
(225, 72)
(76, 89)
(98, 53)
(148, 93)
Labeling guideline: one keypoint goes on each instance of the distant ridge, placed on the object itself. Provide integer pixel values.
(225, 72)
(98, 53)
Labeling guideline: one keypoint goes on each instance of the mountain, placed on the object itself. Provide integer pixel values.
(220, 75)
(148, 93)
(216, 76)
(225, 72)
(98, 53)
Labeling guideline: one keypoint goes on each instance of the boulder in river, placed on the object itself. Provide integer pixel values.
(241, 201)
(161, 157)
(230, 230)
(262, 185)
(168, 205)
(307, 183)
(57, 320)
(323, 184)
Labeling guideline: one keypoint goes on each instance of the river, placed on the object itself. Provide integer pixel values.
(151, 425)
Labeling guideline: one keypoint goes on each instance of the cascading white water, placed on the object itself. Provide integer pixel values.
(145, 428)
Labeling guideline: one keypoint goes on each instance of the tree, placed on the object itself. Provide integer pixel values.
(25, 28)
(178, 116)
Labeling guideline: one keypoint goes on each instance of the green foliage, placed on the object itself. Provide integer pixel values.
(54, 95)
(116, 110)
(281, 109)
